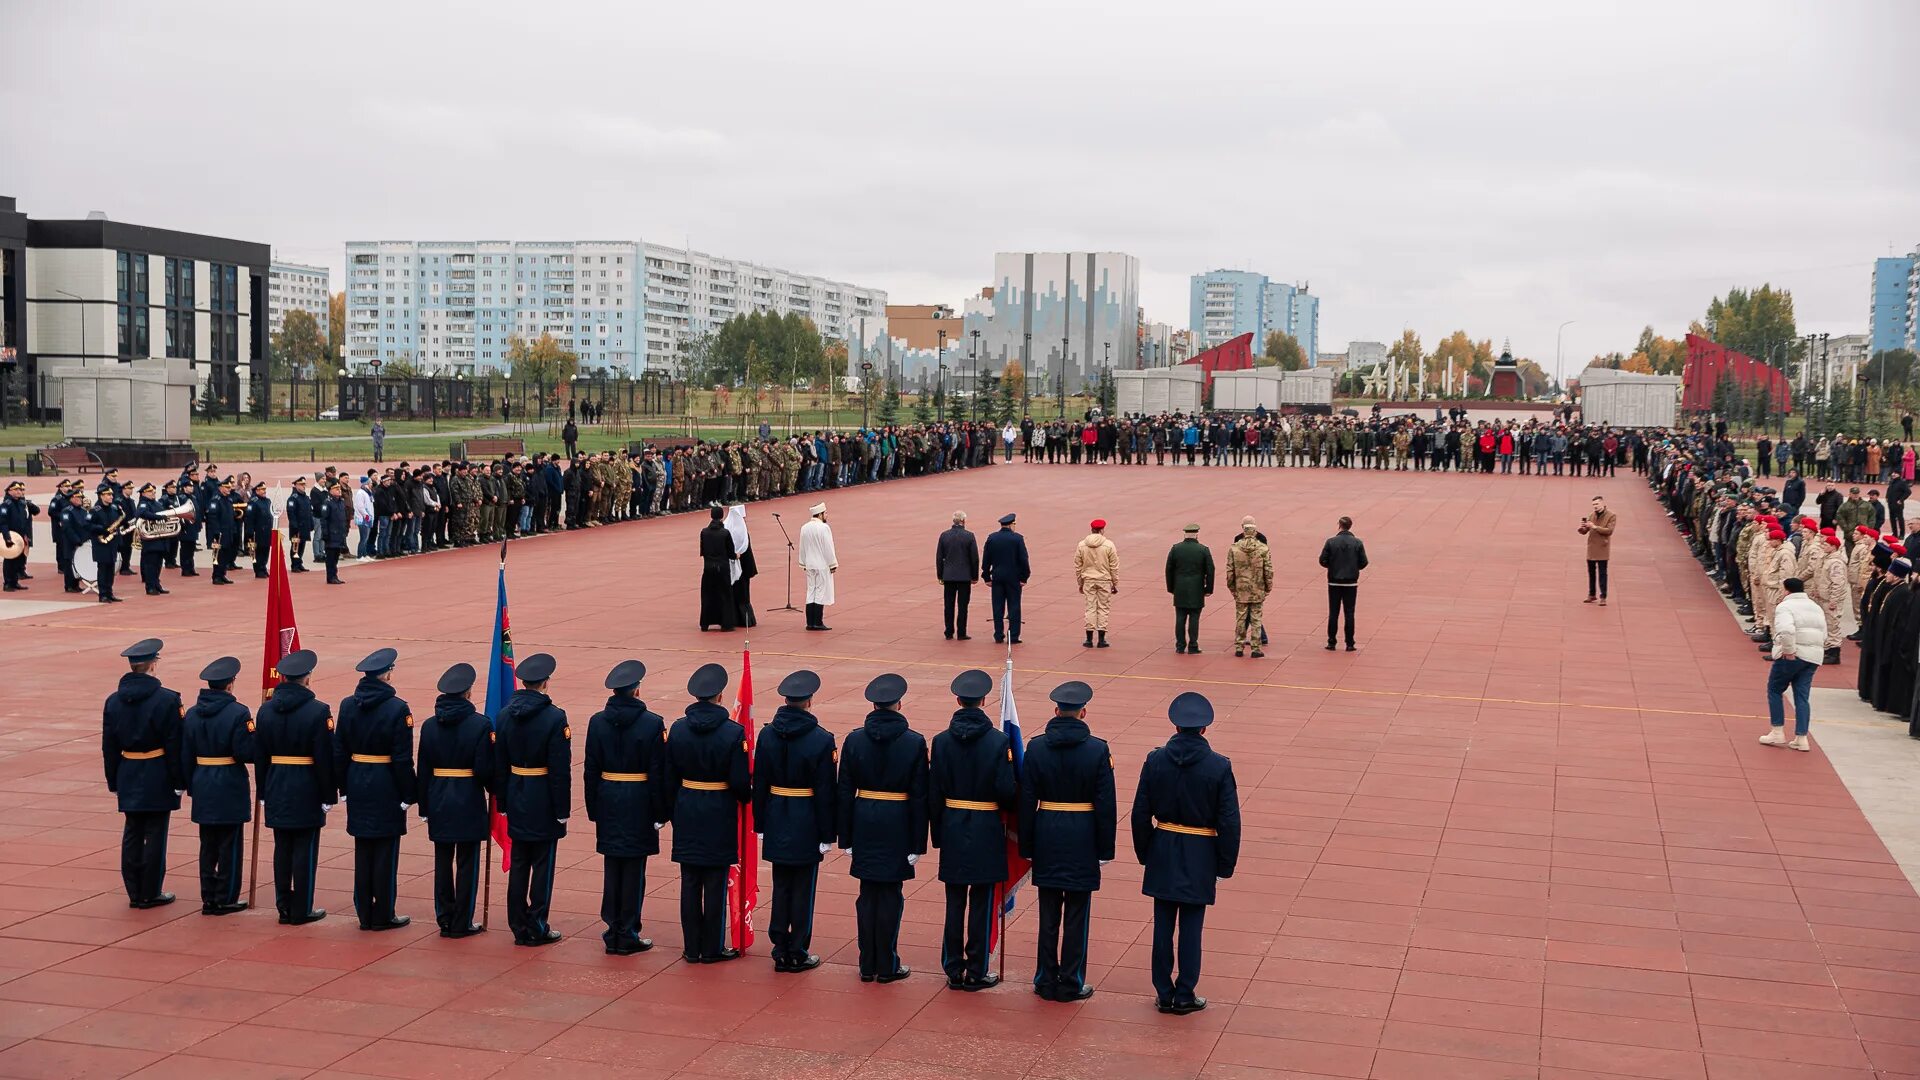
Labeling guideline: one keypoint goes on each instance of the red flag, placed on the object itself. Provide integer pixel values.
(283, 633)
(743, 879)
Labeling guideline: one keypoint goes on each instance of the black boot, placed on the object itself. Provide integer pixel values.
(1833, 656)
(1103, 639)
(1088, 644)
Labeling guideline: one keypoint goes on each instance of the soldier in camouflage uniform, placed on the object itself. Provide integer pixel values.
(622, 485)
(464, 498)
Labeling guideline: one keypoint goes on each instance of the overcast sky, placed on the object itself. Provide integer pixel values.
(1497, 167)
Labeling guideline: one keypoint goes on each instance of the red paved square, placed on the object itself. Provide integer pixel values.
(1513, 836)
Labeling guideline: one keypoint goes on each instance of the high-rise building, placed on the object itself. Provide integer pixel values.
(1223, 304)
(620, 304)
(1365, 354)
(293, 286)
(1896, 302)
(1291, 309)
(1064, 315)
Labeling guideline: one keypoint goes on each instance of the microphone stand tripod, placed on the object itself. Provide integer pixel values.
(788, 606)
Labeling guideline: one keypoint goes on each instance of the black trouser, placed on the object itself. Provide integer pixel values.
(296, 859)
(530, 889)
(224, 559)
(791, 931)
(333, 564)
(456, 881)
(877, 911)
(376, 878)
(956, 593)
(103, 574)
(220, 852)
(963, 951)
(623, 882)
(1061, 962)
(150, 558)
(1186, 627)
(703, 906)
(188, 542)
(1189, 917)
(11, 569)
(1340, 598)
(1597, 577)
(143, 841)
(1006, 609)
(125, 544)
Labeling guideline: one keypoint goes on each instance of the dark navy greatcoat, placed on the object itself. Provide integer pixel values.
(333, 525)
(972, 761)
(1186, 783)
(626, 738)
(294, 723)
(885, 755)
(1003, 559)
(300, 515)
(218, 726)
(1066, 764)
(458, 737)
(260, 520)
(793, 752)
(375, 722)
(532, 733)
(706, 746)
(141, 716)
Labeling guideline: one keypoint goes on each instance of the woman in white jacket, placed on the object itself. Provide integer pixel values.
(1799, 642)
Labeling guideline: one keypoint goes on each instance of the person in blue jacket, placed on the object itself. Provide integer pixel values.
(793, 808)
(533, 759)
(455, 771)
(293, 762)
(882, 823)
(216, 750)
(623, 775)
(969, 783)
(1186, 832)
(299, 524)
(373, 754)
(140, 746)
(1004, 567)
(1067, 821)
(707, 781)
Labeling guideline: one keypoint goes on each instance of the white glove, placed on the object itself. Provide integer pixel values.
(849, 852)
(326, 808)
(824, 847)
(403, 806)
(911, 859)
(1104, 862)
(177, 792)
(760, 837)
(658, 825)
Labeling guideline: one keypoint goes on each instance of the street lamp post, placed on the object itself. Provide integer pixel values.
(1060, 377)
(1106, 372)
(940, 361)
(1026, 376)
(1559, 375)
(973, 354)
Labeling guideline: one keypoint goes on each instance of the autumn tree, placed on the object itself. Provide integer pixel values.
(336, 329)
(1284, 351)
(1890, 367)
(1407, 352)
(1758, 323)
(1013, 380)
(299, 346)
(544, 361)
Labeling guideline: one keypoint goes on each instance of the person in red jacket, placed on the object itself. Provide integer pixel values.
(1506, 450)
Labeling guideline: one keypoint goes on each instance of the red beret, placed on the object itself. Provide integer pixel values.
(1098, 524)
(1868, 529)
(1809, 523)
(1898, 547)
(1827, 531)
(1832, 539)
(1776, 534)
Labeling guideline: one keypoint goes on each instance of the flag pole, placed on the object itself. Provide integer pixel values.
(486, 882)
(1000, 898)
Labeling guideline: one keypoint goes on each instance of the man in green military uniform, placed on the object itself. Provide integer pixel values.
(1250, 578)
(1190, 580)
(460, 513)
(1855, 512)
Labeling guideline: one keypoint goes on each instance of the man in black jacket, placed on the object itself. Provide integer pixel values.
(956, 565)
(1344, 556)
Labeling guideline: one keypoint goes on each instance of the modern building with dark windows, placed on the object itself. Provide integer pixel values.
(97, 289)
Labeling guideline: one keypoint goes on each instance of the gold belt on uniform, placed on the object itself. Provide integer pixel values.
(880, 796)
(971, 804)
(792, 792)
(214, 761)
(1185, 830)
(455, 773)
(289, 759)
(528, 770)
(372, 759)
(1067, 807)
(141, 755)
(625, 777)
(704, 785)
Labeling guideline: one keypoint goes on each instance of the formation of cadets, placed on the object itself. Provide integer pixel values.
(881, 796)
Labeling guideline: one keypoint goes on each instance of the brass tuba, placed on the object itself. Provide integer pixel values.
(164, 527)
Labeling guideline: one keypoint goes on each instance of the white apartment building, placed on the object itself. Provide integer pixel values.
(296, 285)
(691, 293)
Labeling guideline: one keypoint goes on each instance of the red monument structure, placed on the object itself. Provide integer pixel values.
(1709, 362)
(1506, 376)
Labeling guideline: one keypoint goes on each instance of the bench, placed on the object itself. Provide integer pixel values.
(493, 448)
(77, 458)
(666, 445)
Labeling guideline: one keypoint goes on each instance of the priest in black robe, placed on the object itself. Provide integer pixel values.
(717, 605)
(1888, 630)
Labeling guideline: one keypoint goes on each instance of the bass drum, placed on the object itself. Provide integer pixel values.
(12, 545)
(84, 569)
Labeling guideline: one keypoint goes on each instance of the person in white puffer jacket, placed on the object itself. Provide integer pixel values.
(1799, 642)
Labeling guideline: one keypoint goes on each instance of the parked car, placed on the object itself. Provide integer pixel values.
(332, 413)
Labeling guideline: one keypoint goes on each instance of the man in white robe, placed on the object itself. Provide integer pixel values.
(818, 562)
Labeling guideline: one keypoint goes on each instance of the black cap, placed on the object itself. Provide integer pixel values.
(297, 665)
(886, 689)
(142, 651)
(457, 679)
(146, 487)
(708, 680)
(800, 684)
(221, 670)
(536, 668)
(972, 683)
(377, 661)
(1190, 710)
(626, 674)
(1006, 519)
(1074, 695)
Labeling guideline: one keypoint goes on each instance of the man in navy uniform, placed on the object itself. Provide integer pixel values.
(793, 808)
(140, 746)
(223, 531)
(259, 524)
(624, 773)
(455, 772)
(154, 553)
(1067, 822)
(293, 759)
(1003, 566)
(707, 780)
(882, 823)
(105, 526)
(969, 783)
(216, 751)
(16, 516)
(533, 759)
(1186, 832)
(299, 523)
(373, 751)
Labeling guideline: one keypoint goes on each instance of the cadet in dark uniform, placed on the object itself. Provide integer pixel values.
(300, 523)
(373, 751)
(707, 780)
(624, 776)
(217, 749)
(1067, 822)
(140, 745)
(1186, 832)
(223, 531)
(455, 772)
(293, 758)
(153, 554)
(533, 759)
(883, 823)
(969, 783)
(259, 525)
(793, 807)
(1004, 567)
(105, 526)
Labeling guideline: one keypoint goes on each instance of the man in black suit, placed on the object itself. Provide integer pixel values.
(956, 565)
